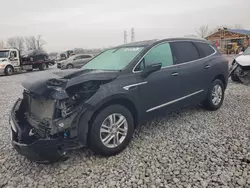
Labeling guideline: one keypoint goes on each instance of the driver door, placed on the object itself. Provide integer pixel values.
(14, 60)
(162, 87)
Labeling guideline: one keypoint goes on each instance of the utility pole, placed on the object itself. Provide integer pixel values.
(132, 35)
(125, 37)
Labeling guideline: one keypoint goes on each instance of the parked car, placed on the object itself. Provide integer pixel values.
(101, 104)
(75, 61)
(240, 68)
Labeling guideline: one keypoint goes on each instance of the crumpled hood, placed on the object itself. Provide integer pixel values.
(243, 60)
(41, 84)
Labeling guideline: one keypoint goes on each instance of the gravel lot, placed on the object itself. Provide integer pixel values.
(188, 148)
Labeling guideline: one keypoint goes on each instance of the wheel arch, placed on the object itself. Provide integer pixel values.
(69, 64)
(222, 78)
(9, 65)
(121, 100)
(87, 118)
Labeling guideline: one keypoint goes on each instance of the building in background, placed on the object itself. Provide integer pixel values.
(230, 40)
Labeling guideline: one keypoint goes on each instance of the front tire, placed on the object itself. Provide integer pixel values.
(215, 95)
(8, 70)
(69, 66)
(111, 130)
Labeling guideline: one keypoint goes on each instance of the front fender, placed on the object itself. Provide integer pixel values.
(4, 64)
(89, 110)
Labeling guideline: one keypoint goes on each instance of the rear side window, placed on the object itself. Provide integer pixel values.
(184, 52)
(204, 48)
(77, 57)
(85, 56)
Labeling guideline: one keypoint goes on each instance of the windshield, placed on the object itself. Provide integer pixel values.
(4, 54)
(247, 51)
(113, 59)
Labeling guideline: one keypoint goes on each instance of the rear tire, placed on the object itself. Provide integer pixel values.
(43, 66)
(102, 129)
(8, 70)
(215, 95)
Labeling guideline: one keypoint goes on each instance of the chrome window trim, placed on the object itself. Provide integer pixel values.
(173, 101)
(132, 85)
(175, 64)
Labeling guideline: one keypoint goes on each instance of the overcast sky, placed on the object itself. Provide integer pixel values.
(68, 24)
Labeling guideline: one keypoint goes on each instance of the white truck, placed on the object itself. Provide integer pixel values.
(12, 61)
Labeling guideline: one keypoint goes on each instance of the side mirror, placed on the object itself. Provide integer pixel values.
(151, 68)
(240, 53)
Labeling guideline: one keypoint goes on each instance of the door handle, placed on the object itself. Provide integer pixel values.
(174, 73)
(207, 67)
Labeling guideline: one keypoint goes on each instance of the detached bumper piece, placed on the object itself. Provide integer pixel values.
(48, 150)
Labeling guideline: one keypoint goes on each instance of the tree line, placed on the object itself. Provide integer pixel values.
(205, 31)
(24, 43)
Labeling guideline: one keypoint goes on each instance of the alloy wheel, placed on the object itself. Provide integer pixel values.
(217, 94)
(114, 130)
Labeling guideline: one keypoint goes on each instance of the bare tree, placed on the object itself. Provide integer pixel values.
(30, 43)
(203, 31)
(34, 43)
(39, 42)
(16, 42)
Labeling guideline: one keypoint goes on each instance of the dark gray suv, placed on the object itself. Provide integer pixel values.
(101, 104)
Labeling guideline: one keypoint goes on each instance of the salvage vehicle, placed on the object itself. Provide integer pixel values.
(11, 61)
(75, 61)
(240, 68)
(100, 105)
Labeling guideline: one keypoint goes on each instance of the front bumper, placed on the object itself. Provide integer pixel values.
(2, 71)
(47, 150)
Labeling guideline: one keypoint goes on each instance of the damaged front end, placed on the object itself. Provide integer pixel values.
(44, 122)
(240, 72)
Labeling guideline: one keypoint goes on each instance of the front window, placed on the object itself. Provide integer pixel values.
(113, 59)
(159, 54)
(4, 54)
(247, 51)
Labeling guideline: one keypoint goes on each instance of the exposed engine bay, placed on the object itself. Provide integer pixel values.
(240, 72)
(50, 109)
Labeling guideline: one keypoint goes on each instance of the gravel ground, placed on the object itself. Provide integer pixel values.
(188, 148)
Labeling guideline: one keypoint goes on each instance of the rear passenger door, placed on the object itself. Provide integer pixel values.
(207, 54)
(191, 71)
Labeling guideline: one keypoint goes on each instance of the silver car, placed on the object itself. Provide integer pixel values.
(75, 61)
